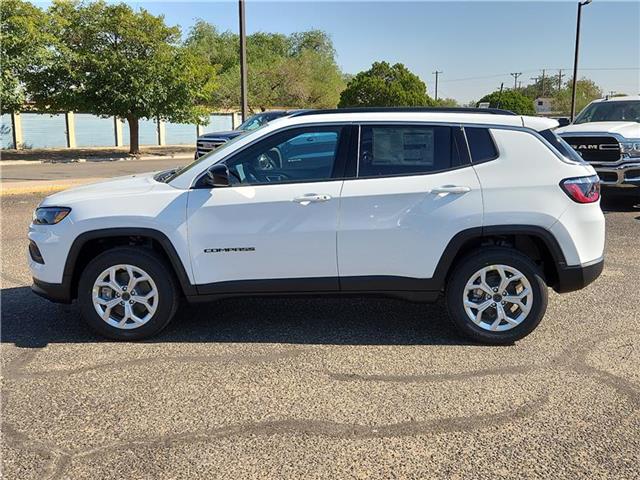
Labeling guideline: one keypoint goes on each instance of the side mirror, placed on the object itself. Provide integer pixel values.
(218, 175)
(564, 121)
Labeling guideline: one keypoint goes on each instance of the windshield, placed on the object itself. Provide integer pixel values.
(252, 123)
(612, 111)
(194, 164)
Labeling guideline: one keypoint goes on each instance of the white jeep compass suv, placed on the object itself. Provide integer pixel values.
(485, 207)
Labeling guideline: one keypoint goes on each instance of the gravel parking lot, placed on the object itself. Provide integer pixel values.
(323, 388)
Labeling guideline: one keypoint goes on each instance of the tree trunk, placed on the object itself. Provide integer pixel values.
(134, 141)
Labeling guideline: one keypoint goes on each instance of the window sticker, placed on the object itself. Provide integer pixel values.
(402, 146)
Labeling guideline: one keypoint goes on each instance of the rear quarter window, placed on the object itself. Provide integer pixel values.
(481, 144)
(563, 147)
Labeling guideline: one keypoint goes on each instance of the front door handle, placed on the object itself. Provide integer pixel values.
(451, 189)
(308, 198)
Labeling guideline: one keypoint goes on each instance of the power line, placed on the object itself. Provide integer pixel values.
(498, 75)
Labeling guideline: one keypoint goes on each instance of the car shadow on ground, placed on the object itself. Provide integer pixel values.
(620, 203)
(31, 322)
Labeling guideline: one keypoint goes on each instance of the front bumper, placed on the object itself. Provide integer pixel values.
(572, 278)
(54, 292)
(624, 175)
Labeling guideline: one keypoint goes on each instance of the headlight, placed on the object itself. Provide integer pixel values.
(49, 215)
(631, 148)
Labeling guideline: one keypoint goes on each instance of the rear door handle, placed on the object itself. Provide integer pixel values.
(451, 189)
(308, 198)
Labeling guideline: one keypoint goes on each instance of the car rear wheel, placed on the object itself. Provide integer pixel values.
(496, 296)
(127, 293)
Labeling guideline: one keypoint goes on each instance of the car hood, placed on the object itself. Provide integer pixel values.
(226, 135)
(626, 129)
(129, 185)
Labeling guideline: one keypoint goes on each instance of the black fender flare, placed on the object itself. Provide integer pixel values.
(476, 233)
(81, 240)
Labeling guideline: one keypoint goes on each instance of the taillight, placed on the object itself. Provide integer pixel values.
(582, 189)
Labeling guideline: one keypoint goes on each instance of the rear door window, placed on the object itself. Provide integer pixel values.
(391, 150)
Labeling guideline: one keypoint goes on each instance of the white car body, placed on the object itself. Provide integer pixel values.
(390, 234)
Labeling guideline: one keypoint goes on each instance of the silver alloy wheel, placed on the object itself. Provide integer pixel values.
(125, 296)
(497, 298)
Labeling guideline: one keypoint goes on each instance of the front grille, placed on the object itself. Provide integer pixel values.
(632, 175)
(608, 177)
(595, 149)
(207, 146)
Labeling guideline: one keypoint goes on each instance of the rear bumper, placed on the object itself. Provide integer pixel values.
(571, 278)
(54, 292)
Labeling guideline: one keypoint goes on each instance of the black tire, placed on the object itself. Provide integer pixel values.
(467, 267)
(154, 266)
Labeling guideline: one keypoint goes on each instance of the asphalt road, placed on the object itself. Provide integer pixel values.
(323, 388)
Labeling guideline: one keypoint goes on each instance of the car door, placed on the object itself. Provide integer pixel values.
(274, 227)
(414, 190)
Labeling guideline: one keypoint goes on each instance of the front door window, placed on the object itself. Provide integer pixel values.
(297, 155)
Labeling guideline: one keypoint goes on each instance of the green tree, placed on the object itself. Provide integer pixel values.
(22, 45)
(446, 102)
(539, 88)
(385, 85)
(586, 92)
(313, 40)
(311, 79)
(110, 60)
(298, 70)
(219, 49)
(510, 100)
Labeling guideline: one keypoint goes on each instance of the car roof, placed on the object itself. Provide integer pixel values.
(275, 112)
(494, 111)
(445, 115)
(626, 98)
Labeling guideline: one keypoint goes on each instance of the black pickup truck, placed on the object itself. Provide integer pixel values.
(211, 141)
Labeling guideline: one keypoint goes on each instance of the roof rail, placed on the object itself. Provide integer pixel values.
(492, 111)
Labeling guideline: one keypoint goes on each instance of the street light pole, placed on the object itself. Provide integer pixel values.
(243, 62)
(436, 73)
(575, 60)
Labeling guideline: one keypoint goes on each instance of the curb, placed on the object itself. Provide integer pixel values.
(94, 160)
(42, 186)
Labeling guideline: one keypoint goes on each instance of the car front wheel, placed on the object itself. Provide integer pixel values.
(127, 293)
(496, 296)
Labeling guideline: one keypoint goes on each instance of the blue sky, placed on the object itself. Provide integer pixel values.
(467, 40)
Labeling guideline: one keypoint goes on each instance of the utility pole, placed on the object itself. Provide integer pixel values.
(500, 95)
(543, 84)
(515, 76)
(436, 73)
(560, 75)
(244, 105)
(575, 59)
